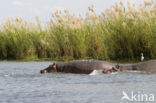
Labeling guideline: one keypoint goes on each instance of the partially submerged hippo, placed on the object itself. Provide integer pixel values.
(81, 67)
(147, 66)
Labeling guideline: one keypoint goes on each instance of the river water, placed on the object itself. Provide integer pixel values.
(21, 82)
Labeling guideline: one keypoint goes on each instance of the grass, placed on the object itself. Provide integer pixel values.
(118, 33)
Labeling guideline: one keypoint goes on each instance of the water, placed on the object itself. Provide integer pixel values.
(21, 82)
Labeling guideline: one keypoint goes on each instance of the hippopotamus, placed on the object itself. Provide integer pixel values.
(146, 66)
(81, 67)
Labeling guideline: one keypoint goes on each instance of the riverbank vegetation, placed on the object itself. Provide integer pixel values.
(120, 32)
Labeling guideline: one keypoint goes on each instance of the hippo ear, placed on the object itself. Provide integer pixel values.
(54, 64)
(117, 66)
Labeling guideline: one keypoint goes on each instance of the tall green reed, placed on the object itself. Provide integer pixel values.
(117, 33)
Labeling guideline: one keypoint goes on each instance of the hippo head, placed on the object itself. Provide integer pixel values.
(50, 69)
(116, 68)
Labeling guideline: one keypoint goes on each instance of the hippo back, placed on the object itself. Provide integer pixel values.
(147, 66)
(83, 66)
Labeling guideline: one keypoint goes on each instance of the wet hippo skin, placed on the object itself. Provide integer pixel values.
(146, 66)
(80, 67)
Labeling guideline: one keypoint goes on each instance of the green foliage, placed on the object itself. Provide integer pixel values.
(117, 34)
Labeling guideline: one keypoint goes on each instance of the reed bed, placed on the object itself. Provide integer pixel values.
(119, 32)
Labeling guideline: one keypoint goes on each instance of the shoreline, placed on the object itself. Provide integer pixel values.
(121, 61)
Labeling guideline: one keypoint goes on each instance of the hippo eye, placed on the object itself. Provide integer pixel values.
(113, 68)
(49, 69)
(117, 66)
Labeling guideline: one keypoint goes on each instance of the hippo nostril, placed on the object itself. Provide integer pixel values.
(43, 71)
